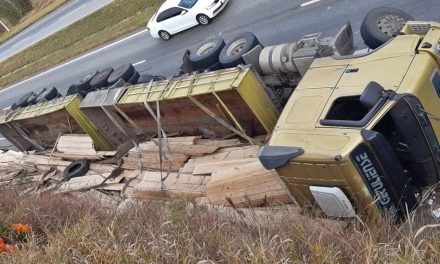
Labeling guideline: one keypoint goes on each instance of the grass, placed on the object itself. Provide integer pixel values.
(107, 24)
(70, 230)
(40, 9)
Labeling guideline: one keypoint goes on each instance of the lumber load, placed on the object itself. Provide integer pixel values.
(79, 147)
(175, 152)
(246, 185)
(156, 185)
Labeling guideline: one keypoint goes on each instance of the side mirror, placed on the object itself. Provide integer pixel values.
(372, 94)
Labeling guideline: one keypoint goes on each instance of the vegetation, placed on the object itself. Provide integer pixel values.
(40, 8)
(13, 10)
(109, 23)
(65, 229)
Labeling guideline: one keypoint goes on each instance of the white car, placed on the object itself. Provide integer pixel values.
(178, 15)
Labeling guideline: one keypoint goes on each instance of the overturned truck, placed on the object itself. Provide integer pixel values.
(357, 134)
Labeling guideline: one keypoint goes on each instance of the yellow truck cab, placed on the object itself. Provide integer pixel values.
(359, 136)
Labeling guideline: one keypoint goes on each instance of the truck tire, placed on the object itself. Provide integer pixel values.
(207, 53)
(214, 67)
(23, 101)
(101, 79)
(146, 78)
(47, 95)
(33, 98)
(381, 24)
(124, 72)
(76, 169)
(134, 78)
(73, 90)
(186, 66)
(231, 54)
(84, 84)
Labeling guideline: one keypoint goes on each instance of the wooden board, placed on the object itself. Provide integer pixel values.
(82, 183)
(209, 168)
(247, 185)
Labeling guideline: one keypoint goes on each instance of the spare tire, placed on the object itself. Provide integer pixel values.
(124, 72)
(84, 84)
(33, 98)
(23, 101)
(101, 79)
(207, 53)
(134, 79)
(76, 169)
(381, 24)
(47, 95)
(231, 54)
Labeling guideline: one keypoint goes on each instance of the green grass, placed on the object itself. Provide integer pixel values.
(107, 24)
(70, 230)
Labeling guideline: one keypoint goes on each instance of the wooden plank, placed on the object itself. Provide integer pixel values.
(247, 185)
(76, 138)
(112, 187)
(80, 152)
(82, 183)
(219, 143)
(191, 150)
(209, 168)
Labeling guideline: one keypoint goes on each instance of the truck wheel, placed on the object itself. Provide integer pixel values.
(76, 169)
(164, 35)
(23, 101)
(84, 84)
(47, 95)
(100, 80)
(186, 66)
(33, 98)
(381, 24)
(231, 54)
(203, 19)
(207, 53)
(124, 72)
(134, 78)
(73, 90)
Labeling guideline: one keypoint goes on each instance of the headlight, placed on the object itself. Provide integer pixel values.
(212, 5)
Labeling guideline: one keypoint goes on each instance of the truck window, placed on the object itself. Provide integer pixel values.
(407, 139)
(347, 108)
(436, 83)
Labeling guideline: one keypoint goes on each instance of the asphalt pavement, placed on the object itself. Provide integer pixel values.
(59, 19)
(273, 22)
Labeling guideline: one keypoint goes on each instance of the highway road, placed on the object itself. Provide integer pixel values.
(275, 21)
(61, 18)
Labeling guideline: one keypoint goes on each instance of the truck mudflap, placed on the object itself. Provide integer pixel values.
(384, 176)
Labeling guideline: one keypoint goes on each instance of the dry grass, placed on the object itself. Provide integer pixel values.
(109, 23)
(67, 230)
(41, 9)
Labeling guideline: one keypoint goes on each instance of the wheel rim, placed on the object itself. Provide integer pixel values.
(390, 25)
(203, 20)
(165, 35)
(236, 47)
(206, 49)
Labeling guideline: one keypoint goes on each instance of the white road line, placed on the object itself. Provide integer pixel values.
(310, 2)
(77, 59)
(2, 138)
(138, 63)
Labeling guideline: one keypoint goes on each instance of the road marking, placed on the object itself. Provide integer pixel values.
(138, 63)
(75, 60)
(2, 138)
(310, 2)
